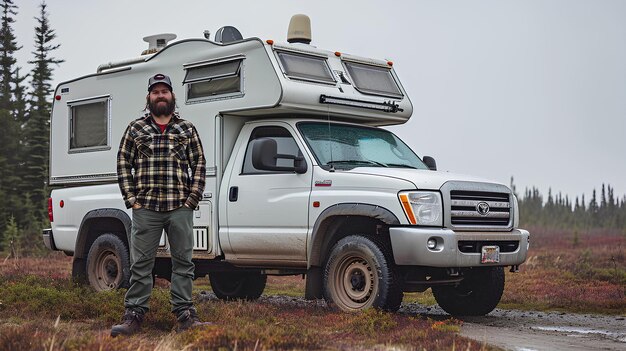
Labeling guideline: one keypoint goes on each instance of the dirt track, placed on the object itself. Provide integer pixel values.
(531, 330)
(513, 329)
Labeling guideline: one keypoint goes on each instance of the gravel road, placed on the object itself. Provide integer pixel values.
(512, 329)
(533, 330)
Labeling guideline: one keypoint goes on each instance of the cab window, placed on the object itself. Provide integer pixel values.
(285, 142)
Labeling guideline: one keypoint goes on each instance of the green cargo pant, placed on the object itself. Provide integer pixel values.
(144, 239)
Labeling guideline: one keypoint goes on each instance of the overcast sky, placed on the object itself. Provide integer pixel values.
(534, 89)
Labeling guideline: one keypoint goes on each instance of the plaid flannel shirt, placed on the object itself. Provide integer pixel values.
(161, 171)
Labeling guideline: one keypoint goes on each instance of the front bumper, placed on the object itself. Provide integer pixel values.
(456, 249)
(48, 239)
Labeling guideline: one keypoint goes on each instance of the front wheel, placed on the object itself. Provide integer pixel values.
(108, 263)
(478, 293)
(360, 274)
(238, 285)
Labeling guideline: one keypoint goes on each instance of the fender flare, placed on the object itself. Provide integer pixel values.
(344, 209)
(81, 249)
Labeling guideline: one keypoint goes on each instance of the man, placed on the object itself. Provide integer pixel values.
(161, 173)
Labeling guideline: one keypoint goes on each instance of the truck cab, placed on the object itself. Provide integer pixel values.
(301, 180)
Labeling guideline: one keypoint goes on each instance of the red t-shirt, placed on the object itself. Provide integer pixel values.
(161, 126)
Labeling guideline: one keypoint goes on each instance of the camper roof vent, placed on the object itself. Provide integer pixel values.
(157, 42)
(299, 29)
(227, 34)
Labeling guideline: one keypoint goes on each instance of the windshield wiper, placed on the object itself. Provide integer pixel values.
(400, 165)
(367, 162)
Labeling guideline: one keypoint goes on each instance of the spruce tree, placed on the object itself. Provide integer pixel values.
(37, 129)
(7, 56)
(9, 142)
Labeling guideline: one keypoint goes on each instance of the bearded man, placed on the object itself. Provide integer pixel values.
(161, 173)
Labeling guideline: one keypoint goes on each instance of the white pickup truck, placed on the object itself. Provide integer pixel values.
(301, 179)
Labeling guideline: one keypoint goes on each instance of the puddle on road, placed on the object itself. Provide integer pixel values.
(574, 331)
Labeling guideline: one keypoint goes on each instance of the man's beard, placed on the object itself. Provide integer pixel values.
(160, 109)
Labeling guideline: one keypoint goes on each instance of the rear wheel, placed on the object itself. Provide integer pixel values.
(360, 274)
(108, 263)
(478, 293)
(237, 285)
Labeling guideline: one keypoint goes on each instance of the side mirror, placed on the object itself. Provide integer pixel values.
(430, 162)
(265, 154)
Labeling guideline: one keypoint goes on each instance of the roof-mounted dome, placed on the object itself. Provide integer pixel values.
(299, 29)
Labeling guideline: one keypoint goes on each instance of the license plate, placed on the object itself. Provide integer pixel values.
(490, 254)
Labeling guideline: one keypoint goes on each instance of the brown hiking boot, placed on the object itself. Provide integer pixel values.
(131, 322)
(189, 319)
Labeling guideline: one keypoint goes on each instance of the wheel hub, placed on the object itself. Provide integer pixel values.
(357, 281)
(107, 270)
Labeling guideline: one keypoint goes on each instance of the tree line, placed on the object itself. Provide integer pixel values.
(604, 210)
(25, 105)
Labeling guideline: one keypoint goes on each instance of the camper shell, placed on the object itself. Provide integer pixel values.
(266, 89)
(299, 215)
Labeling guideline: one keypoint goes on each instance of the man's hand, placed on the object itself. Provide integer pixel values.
(136, 206)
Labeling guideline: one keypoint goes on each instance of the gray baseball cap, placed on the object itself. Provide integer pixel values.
(159, 78)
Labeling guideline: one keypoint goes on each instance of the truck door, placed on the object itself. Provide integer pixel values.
(267, 211)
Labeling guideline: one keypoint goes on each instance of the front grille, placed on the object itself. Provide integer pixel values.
(465, 205)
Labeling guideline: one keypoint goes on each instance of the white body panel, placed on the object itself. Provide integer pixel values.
(271, 210)
(76, 203)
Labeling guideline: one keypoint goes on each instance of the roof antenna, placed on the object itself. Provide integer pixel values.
(299, 30)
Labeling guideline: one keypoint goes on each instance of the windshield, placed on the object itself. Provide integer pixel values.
(341, 146)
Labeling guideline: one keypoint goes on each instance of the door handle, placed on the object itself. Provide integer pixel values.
(233, 193)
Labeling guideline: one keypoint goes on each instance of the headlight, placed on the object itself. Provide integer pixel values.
(422, 207)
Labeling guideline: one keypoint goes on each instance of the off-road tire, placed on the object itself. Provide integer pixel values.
(477, 294)
(108, 263)
(237, 285)
(360, 274)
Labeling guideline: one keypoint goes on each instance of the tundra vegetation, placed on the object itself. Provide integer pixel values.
(40, 308)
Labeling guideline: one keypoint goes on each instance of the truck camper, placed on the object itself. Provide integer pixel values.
(301, 179)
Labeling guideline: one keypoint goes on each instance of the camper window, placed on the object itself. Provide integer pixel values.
(309, 68)
(374, 80)
(89, 124)
(213, 79)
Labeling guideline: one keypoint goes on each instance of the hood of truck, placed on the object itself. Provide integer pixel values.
(422, 179)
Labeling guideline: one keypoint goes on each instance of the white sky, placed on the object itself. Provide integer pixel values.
(534, 89)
